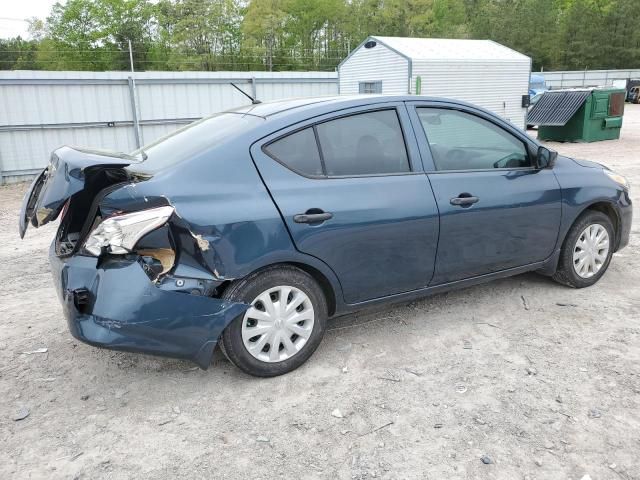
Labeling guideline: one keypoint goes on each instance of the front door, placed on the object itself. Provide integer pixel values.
(352, 193)
(497, 211)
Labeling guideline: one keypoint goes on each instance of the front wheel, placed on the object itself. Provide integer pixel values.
(587, 250)
(283, 326)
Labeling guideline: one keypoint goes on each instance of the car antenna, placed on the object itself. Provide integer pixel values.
(253, 100)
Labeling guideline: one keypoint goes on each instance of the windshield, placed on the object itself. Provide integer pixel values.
(190, 140)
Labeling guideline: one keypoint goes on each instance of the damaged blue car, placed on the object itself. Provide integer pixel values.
(250, 228)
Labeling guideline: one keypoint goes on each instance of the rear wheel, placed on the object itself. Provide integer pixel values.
(587, 250)
(284, 325)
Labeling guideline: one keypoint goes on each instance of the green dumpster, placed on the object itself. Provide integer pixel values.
(579, 115)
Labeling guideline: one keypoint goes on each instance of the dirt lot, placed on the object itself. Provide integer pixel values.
(543, 379)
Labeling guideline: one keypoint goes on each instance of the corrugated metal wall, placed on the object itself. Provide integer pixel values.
(497, 86)
(39, 111)
(587, 78)
(375, 64)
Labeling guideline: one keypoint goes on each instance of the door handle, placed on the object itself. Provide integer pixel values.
(312, 217)
(464, 200)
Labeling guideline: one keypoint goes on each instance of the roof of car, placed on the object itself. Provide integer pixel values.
(268, 109)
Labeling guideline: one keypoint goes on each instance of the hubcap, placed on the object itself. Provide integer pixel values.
(278, 324)
(591, 250)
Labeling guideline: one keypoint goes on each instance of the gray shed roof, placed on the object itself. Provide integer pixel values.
(450, 49)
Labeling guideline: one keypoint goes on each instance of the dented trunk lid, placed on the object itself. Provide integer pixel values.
(70, 171)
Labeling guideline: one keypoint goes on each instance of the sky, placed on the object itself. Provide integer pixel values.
(13, 13)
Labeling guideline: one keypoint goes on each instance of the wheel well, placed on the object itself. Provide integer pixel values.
(316, 274)
(324, 283)
(609, 211)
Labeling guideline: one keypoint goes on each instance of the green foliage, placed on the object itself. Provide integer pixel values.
(315, 34)
(18, 54)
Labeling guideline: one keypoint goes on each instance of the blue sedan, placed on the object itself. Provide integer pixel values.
(250, 228)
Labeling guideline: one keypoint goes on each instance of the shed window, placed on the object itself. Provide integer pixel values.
(370, 87)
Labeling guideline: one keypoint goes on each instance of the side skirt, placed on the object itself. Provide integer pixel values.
(544, 267)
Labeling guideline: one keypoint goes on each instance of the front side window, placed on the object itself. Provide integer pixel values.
(298, 151)
(363, 144)
(461, 141)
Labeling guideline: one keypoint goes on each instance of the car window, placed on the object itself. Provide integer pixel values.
(363, 144)
(191, 140)
(461, 141)
(298, 151)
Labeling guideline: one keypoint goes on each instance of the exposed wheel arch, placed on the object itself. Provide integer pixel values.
(317, 275)
(323, 281)
(580, 246)
(610, 211)
(603, 206)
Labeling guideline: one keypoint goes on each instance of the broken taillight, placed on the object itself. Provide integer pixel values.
(65, 208)
(120, 233)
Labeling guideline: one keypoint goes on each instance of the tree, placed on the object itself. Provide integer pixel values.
(264, 27)
(206, 31)
(18, 54)
(315, 34)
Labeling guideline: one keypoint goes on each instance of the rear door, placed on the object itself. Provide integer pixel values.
(497, 211)
(352, 192)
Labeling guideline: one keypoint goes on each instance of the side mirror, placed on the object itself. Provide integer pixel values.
(545, 158)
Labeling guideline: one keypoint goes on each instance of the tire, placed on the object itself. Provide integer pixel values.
(270, 284)
(566, 272)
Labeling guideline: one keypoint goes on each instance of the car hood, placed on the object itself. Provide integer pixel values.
(588, 163)
(70, 170)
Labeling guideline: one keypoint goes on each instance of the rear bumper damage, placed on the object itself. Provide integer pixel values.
(113, 304)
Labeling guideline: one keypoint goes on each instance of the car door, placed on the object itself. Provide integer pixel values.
(497, 210)
(352, 192)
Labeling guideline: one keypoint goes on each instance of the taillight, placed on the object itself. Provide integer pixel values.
(119, 234)
(65, 208)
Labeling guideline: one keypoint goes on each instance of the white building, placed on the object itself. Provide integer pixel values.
(481, 72)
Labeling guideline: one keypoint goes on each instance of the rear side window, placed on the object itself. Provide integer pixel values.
(363, 144)
(298, 151)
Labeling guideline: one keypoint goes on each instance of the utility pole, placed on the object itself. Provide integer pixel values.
(134, 100)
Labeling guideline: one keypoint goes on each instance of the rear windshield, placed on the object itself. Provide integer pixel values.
(190, 140)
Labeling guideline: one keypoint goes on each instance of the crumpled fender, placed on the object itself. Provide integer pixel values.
(116, 306)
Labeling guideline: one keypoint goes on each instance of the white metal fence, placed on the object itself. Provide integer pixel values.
(39, 111)
(588, 78)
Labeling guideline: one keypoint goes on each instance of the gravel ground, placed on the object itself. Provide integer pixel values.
(542, 379)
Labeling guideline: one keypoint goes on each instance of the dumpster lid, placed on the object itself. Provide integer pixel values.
(555, 108)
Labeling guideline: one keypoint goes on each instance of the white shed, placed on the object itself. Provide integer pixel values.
(481, 72)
